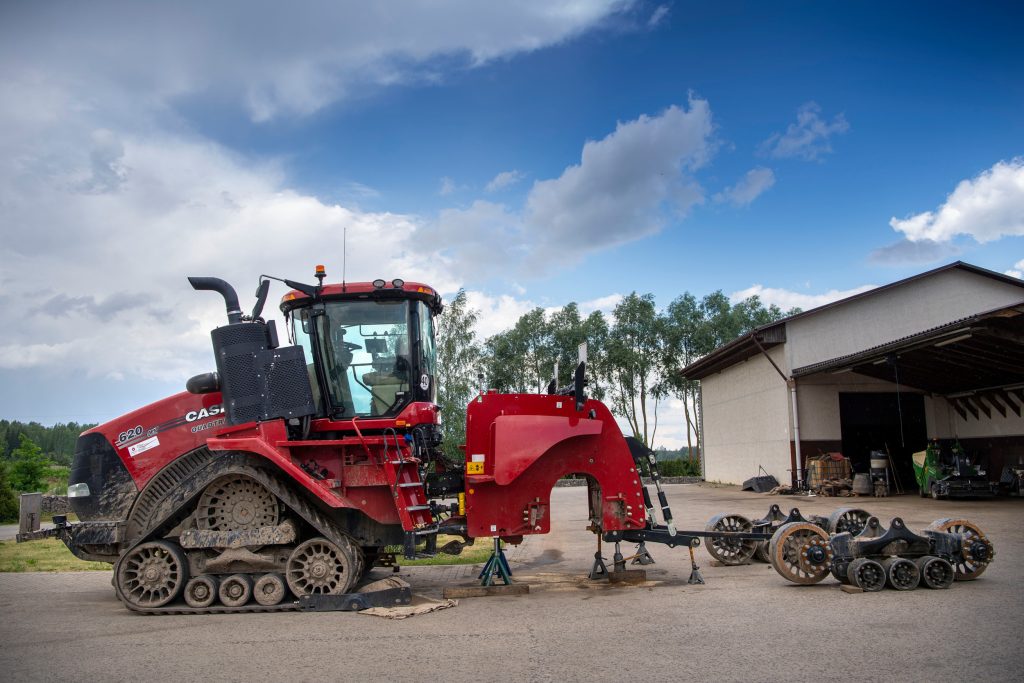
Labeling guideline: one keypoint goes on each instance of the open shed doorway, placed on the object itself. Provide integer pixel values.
(871, 422)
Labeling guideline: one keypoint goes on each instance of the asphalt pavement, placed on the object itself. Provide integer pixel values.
(745, 624)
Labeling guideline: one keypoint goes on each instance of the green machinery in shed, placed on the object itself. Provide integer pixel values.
(943, 470)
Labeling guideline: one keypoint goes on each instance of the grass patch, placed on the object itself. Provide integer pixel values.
(471, 554)
(48, 555)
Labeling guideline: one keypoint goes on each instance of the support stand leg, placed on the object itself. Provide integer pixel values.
(695, 576)
(496, 566)
(599, 570)
(619, 562)
(642, 556)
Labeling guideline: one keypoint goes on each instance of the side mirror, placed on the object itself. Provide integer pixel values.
(261, 298)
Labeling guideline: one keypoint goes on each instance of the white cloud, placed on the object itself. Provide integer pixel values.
(604, 304)
(356, 191)
(657, 16)
(496, 313)
(905, 251)
(749, 187)
(787, 299)
(500, 312)
(116, 220)
(504, 179)
(274, 58)
(624, 188)
(985, 208)
(447, 186)
(808, 138)
(1017, 270)
(623, 183)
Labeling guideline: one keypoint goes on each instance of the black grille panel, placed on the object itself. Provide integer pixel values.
(258, 383)
(288, 393)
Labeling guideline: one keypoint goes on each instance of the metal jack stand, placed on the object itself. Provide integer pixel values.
(618, 561)
(642, 556)
(695, 576)
(497, 565)
(599, 570)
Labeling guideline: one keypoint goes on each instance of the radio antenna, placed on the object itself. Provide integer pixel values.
(344, 254)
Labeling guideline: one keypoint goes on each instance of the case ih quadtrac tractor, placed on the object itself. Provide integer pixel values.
(278, 481)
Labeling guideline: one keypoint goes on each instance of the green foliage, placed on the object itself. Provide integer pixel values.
(522, 359)
(8, 499)
(458, 360)
(679, 468)
(29, 467)
(635, 345)
(633, 364)
(57, 442)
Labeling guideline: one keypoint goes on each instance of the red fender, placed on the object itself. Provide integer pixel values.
(519, 445)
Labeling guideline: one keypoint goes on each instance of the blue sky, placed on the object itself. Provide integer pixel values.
(533, 153)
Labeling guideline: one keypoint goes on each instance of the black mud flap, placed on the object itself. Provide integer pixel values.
(391, 592)
(354, 602)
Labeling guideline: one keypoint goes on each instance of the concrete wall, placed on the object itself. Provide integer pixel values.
(746, 421)
(905, 310)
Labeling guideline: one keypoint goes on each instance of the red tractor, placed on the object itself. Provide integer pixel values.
(292, 468)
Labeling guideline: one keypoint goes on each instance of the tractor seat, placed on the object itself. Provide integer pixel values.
(385, 386)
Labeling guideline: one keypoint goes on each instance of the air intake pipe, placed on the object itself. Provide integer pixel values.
(215, 284)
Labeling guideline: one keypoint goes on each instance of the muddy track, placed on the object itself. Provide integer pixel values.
(168, 496)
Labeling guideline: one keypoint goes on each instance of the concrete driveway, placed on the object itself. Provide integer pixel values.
(746, 624)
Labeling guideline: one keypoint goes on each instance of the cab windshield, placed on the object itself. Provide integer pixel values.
(366, 352)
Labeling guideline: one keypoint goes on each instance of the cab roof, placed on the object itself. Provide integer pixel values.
(367, 290)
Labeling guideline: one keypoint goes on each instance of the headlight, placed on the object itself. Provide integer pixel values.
(80, 490)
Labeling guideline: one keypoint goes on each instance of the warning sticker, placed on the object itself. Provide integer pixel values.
(477, 457)
(474, 468)
(143, 446)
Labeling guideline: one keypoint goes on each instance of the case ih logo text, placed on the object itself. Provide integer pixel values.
(202, 414)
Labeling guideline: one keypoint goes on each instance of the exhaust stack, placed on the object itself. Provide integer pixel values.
(215, 284)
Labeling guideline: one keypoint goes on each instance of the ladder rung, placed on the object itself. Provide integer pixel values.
(413, 508)
(406, 484)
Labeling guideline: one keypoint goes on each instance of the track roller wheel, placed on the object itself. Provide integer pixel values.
(235, 590)
(269, 589)
(901, 574)
(236, 503)
(152, 574)
(866, 574)
(936, 572)
(201, 591)
(977, 550)
(852, 520)
(730, 551)
(801, 552)
(320, 566)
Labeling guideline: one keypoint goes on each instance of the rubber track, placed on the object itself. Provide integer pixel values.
(240, 463)
(157, 493)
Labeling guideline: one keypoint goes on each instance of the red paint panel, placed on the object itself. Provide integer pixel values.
(520, 439)
(150, 437)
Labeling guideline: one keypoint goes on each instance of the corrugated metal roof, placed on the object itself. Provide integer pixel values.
(743, 347)
(981, 351)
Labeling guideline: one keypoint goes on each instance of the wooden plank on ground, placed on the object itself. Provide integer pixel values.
(483, 591)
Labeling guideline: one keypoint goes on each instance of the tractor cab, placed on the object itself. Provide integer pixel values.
(369, 346)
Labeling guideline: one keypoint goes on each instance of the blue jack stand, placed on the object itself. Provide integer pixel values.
(497, 566)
